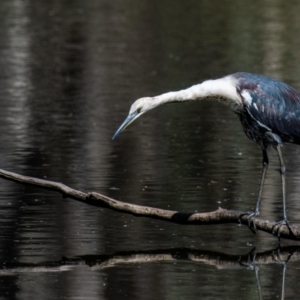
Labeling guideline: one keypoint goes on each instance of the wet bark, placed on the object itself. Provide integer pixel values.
(219, 216)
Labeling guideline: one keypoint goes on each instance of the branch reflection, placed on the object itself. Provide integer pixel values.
(251, 261)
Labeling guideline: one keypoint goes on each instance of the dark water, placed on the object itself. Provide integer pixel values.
(69, 72)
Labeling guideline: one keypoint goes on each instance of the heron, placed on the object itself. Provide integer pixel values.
(268, 109)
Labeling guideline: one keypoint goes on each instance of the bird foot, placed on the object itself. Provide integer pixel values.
(250, 264)
(278, 225)
(251, 216)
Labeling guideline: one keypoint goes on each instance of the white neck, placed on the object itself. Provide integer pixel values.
(223, 90)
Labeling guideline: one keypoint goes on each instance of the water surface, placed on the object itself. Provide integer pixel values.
(69, 72)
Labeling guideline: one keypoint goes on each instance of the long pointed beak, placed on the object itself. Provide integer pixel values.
(130, 118)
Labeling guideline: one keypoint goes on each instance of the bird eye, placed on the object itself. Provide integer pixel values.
(138, 110)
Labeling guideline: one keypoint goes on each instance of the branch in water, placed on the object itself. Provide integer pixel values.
(220, 216)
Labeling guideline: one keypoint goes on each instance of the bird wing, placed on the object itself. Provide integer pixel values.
(275, 105)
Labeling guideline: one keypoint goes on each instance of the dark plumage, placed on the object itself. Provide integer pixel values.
(274, 104)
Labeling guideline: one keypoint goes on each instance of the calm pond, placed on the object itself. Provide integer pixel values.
(69, 73)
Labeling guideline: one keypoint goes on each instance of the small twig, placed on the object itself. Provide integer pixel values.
(45, 184)
(220, 216)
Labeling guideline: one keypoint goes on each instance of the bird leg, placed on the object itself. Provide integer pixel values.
(265, 164)
(284, 221)
(253, 215)
(282, 173)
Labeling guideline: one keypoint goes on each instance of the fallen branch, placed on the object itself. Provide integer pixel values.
(220, 216)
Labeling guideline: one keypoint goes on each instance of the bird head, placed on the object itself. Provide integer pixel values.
(138, 108)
